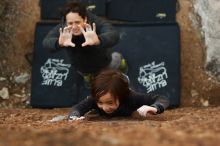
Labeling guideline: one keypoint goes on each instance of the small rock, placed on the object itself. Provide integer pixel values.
(209, 79)
(58, 118)
(4, 94)
(23, 90)
(194, 93)
(2, 79)
(205, 103)
(22, 78)
(27, 102)
(18, 95)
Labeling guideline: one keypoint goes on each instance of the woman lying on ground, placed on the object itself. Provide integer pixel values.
(111, 96)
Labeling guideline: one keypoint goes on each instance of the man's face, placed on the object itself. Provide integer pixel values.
(108, 103)
(74, 20)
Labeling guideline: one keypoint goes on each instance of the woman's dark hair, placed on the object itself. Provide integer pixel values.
(74, 7)
(111, 81)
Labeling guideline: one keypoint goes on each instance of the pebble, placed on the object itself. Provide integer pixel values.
(58, 118)
(22, 78)
(4, 94)
(2, 79)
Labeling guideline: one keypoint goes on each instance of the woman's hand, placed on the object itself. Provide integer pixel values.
(75, 118)
(144, 110)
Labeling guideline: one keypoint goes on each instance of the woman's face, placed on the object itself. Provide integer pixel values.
(108, 103)
(73, 20)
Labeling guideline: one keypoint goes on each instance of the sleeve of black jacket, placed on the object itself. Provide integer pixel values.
(51, 39)
(107, 34)
(83, 107)
(154, 100)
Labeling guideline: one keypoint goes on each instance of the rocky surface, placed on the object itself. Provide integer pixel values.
(208, 11)
(17, 27)
(198, 86)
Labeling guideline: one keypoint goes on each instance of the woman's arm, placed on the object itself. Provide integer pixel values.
(81, 108)
(107, 35)
(150, 103)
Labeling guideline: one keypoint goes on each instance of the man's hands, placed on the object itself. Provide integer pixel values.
(65, 39)
(89, 33)
(144, 110)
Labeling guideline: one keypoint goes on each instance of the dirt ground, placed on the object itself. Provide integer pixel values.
(176, 127)
(197, 125)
